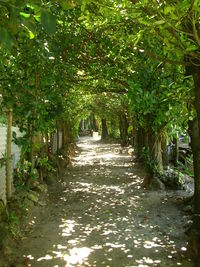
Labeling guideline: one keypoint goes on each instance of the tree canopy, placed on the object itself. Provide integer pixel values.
(134, 64)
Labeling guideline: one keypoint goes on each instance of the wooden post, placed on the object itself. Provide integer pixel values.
(9, 161)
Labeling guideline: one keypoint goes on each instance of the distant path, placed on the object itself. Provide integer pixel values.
(101, 216)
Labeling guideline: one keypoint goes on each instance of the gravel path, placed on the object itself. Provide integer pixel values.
(101, 216)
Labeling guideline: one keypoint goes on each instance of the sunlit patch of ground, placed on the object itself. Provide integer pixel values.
(101, 216)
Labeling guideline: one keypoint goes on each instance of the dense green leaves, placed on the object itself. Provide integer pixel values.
(116, 59)
(48, 22)
(107, 50)
(6, 38)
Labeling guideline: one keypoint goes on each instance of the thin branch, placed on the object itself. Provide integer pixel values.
(195, 30)
(162, 59)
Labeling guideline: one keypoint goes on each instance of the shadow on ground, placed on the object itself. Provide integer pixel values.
(101, 216)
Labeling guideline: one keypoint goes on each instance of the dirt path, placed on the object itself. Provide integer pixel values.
(101, 216)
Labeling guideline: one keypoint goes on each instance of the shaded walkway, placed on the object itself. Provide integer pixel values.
(101, 216)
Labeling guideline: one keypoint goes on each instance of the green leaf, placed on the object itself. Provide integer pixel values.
(191, 48)
(25, 15)
(83, 6)
(31, 35)
(66, 4)
(196, 5)
(159, 22)
(168, 9)
(37, 18)
(48, 22)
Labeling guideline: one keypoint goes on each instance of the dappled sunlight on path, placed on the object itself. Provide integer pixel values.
(101, 216)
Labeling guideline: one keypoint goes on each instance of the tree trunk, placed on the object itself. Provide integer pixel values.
(63, 136)
(175, 151)
(165, 156)
(104, 133)
(158, 154)
(57, 132)
(9, 160)
(123, 129)
(139, 142)
(155, 149)
(194, 243)
(93, 123)
(67, 134)
(47, 143)
(196, 78)
(113, 127)
(32, 123)
(133, 134)
(31, 141)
